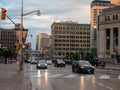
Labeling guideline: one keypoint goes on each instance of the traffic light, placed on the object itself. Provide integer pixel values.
(3, 14)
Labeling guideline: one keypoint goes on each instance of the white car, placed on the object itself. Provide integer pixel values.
(49, 62)
(33, 62)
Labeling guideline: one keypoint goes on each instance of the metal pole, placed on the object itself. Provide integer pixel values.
(20, 39)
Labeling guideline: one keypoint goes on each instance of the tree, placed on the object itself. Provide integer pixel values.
(7, 52)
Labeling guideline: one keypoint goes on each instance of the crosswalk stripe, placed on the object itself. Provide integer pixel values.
(119, 77)
(56, 75)
(71, 76)
(104, 77)
(88, 76)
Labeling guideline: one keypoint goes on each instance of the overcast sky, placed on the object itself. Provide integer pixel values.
(51, 10)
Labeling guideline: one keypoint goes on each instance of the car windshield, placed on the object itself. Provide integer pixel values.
(84, 63)
(41, 61)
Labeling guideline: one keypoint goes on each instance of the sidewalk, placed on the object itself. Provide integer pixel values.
(113, 66)
(11, 79)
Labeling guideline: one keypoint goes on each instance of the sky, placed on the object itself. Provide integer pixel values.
(51, 10)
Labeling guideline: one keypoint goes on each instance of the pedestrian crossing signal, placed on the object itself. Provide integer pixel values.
(3, 14)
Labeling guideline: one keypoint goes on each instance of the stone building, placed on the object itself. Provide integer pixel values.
(109, 32)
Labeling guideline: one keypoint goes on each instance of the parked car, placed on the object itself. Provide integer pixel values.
(41, 65)
(97, 62)
(67, 61)
(82, 67)
(59, 63)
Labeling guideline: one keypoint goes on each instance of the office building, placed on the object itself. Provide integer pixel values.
(69, 37)
(7, 37)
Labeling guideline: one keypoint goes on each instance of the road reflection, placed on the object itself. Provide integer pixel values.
(46, 77)
(40, 81)
(82, 83)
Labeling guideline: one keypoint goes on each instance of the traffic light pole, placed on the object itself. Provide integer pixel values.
(10, 19)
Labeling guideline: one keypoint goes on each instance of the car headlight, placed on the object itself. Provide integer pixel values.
(45, 64)
(38, 64)
(82, 67)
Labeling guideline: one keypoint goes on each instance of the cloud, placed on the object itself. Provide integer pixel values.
(51, 10)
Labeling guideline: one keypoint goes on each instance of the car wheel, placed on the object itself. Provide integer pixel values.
(103, 65)
(76, 70)
(73, 69)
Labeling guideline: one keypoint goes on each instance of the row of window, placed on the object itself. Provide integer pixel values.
(75, 45)
(113, 17)
(77, 37)
(70, 41)
(62, 49)
(7, 39)
(71, 28)
(67, 32)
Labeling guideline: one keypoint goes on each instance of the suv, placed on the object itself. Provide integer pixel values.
(97, 62)
(59, 63)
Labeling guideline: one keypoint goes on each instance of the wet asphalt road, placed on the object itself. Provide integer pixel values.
(55, 78)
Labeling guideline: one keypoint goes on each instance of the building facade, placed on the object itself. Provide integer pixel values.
(7, 37)
(109, 32)
(69, 37)
(44, 44)
(40, 42)
(96, 8)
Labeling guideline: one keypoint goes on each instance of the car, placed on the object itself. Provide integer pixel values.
(69, 62)
(82, 67)
(59, 63)
(41, 65)
(49, 62)
(33, 62)
(97, 62)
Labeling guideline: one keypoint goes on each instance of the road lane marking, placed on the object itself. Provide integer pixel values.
(109, 88)
(56, 75)
(71, 76)
(104, 77)
(100, 84)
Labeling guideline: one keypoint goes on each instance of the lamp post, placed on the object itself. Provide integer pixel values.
(20, 52)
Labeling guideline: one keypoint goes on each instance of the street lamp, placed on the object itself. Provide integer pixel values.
(21, 33)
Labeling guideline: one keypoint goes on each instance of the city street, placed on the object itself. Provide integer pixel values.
(57, 78)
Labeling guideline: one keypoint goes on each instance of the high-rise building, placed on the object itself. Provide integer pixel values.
(96, 8)
(69, 37)
(43, 43)
(115, 2)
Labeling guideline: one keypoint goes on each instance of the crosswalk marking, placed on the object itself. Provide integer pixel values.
(56, 75)
(119, 77)
(88, 76)
(104, 77)
(71, 76)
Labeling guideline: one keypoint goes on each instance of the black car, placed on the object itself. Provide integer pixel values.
(59, 63)
(41, 65)
(69, 62)
(82, 67)
(97, 62)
